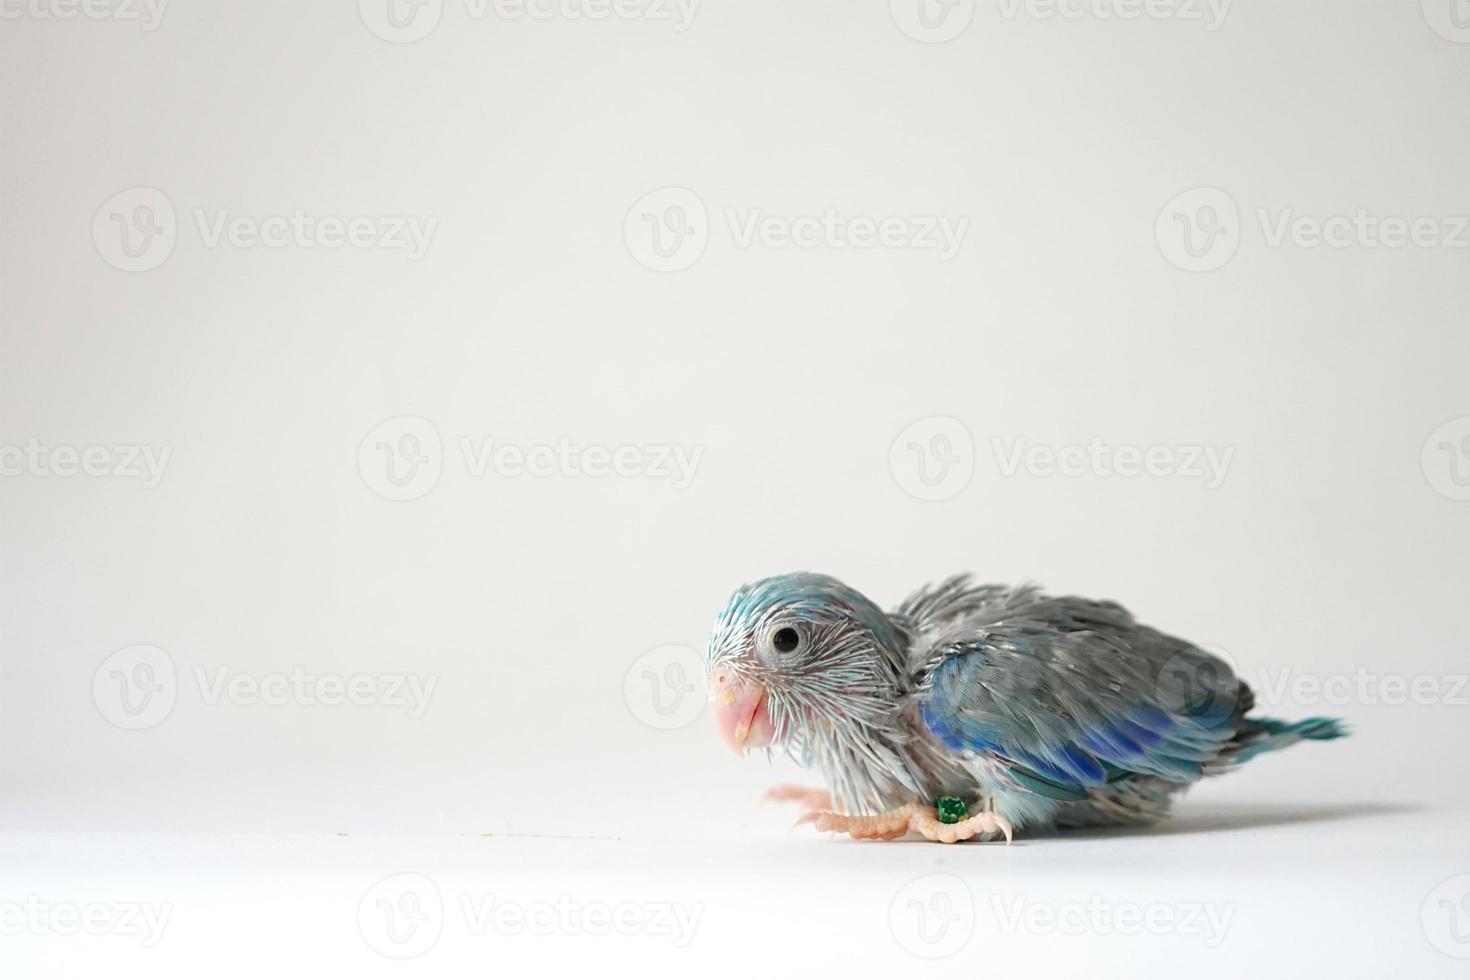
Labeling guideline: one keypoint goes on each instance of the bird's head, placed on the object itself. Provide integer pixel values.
(796, 657)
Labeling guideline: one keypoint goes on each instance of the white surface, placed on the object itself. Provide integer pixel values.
(551, 614)
(1227, 889)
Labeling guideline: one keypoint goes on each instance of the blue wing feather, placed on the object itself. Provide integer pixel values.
(1072, 694)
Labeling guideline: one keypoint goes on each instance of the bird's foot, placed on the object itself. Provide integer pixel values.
(889, 825)
(893, 824)
(927, 822)
(812, 799)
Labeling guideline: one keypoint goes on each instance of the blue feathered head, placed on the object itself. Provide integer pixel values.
(800, 657)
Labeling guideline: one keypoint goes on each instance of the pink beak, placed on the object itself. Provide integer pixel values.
(739, 710)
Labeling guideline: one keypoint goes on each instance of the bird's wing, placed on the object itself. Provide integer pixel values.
(1071, 693)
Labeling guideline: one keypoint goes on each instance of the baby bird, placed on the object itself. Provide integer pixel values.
(976, 709)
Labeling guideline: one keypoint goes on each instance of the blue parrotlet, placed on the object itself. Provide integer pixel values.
(976, 710)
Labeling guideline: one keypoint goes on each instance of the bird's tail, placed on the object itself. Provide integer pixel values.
(1257, 735)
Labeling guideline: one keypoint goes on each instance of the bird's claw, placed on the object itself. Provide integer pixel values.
(812, 799)
(893, 824)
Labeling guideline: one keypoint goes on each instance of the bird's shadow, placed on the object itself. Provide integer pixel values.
(1225, 818)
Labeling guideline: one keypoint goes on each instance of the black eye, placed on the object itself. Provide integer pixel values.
(785, 640)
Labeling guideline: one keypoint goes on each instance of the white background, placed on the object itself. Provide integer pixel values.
(558, 617)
